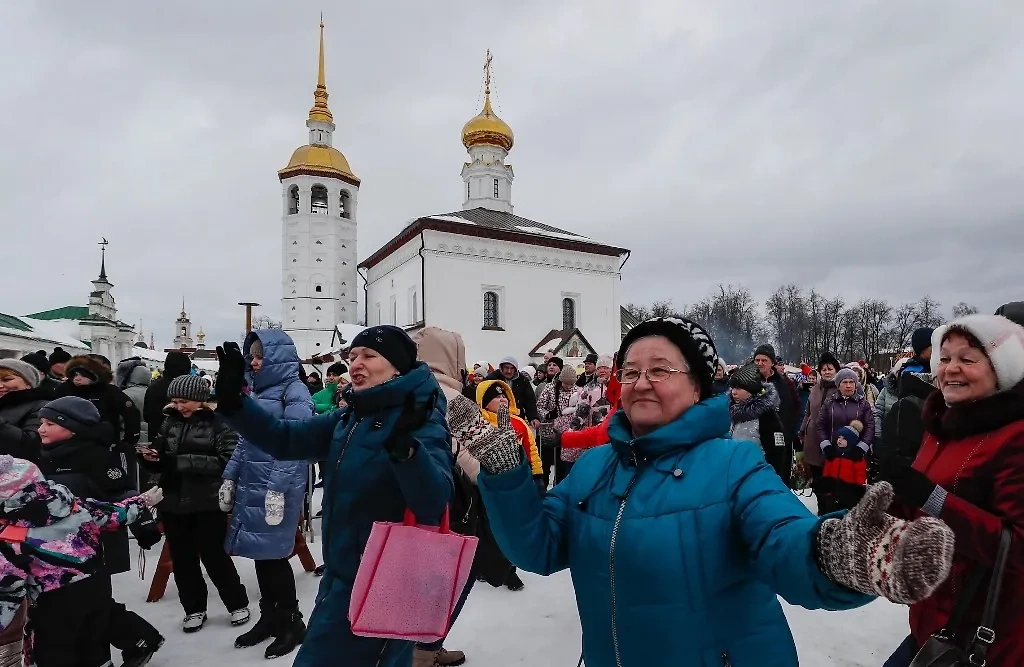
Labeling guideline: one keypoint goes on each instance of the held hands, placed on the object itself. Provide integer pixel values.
(274, 508)
(230, 377)
(226, 496)
(877, 554)
(153, 496)
(497, 449)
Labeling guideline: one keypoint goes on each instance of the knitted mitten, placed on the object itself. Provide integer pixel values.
(273, 506)
(497, 449)
(226, 496)
(877, 554)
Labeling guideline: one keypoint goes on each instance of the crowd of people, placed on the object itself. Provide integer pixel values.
(665, 480)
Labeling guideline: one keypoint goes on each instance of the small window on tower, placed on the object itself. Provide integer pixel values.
(495, 188)
(318, 307)
(318, 288)
(318, 200)
(468, 192)
(343, 204)
(319, 260)
(319, 242)
(293, 200)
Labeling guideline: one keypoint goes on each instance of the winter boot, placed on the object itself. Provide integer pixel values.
(288, 632)
(446, 658)
(513, 582)
(140, 654)
(262, 631)
(424, 657)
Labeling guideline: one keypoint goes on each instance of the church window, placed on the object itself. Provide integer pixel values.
(318, 288)
(295, 243)
(319, 242)
(491, 310)
(394, 311)
(319, 259)
(344, 205)
(468, 192)
(293, 200)
(568, 314)
(495, 188)
(318, 200)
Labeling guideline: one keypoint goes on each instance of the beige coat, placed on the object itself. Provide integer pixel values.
(445, 353)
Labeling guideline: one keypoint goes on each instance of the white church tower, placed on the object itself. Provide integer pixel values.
(487, 179)
(319, 200)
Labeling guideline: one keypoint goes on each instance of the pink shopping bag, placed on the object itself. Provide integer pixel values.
(409, 579)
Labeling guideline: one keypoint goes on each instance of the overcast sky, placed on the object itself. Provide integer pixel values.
(867, 148)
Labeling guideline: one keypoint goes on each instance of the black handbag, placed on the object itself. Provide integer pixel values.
(945, 648)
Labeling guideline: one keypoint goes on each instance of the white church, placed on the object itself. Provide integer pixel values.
(509, 285)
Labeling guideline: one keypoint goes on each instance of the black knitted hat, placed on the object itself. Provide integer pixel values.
(390, 342)
(692, 340)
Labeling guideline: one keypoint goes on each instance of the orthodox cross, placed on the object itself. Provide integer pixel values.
(487, 73)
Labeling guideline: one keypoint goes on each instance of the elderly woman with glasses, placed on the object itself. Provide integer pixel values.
(678, 538)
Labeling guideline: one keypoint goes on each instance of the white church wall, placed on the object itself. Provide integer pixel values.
(392, 285)
(530, 282)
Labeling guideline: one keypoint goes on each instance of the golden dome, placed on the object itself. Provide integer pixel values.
(316, 160)
(486, 129)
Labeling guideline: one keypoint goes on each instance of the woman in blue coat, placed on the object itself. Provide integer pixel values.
(265, 493)
(388, 450)
(679, 539)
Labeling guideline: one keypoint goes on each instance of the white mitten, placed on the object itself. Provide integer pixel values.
(274, 506)
(153, 496)
(226, 496)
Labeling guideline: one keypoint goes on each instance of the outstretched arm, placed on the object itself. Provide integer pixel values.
(285, 439)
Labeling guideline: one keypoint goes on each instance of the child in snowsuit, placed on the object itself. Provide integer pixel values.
(844, 477)
(50, 554)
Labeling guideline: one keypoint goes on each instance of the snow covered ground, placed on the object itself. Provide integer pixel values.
(538, 626)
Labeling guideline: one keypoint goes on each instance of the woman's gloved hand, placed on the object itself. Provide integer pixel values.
(497, 449)
(400, 444)
(230, 378)
(274, 508)
(226, 496)
(877, 554)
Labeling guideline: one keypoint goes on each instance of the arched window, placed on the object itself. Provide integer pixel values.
(318, 200)
(568, 314)
(491, 310)
(293, 200)
(343, 204)
(318, 288)
(495, 188)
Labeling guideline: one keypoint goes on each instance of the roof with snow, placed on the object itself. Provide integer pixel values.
(49, 333)
(485, 223)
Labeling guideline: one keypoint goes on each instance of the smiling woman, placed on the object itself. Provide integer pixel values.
(679, 539)
(969, 473)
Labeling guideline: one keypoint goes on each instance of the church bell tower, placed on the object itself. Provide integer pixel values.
(320, 195)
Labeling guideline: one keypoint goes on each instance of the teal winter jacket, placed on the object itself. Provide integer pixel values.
(678, 543)
(361, 485)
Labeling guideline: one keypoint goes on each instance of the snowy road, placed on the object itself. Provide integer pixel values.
(537, 626)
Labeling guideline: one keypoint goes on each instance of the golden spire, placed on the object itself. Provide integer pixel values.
(486, 128)
(320, 112)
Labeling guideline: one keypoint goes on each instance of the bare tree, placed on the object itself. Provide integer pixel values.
(263, 322)
(786, 319)
(929, 312)
(963, 309)
(904, 321)
(640, 312)
(731, 317)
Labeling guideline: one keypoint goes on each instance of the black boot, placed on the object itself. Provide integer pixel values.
(140, 654)
(262, 631)
(289, 632)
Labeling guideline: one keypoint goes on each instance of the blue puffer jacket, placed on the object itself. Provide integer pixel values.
(279, 391)
(676, 560)
(361, 485)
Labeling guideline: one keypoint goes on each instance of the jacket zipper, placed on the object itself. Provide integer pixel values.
(611, 568)
(725, 659)
(380, 658)
(337, 466)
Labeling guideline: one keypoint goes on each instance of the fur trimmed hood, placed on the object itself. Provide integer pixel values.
(93, 366)
(755, 406)
(123, 374)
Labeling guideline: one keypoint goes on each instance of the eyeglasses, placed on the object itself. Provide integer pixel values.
(655, 374)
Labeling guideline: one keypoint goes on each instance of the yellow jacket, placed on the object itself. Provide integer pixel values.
(521, 427)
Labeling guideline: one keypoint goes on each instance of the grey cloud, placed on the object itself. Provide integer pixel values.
(870, 148)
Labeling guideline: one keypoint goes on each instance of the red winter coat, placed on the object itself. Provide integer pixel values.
(976, 453)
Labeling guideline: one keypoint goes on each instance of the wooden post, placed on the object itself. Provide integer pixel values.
(249, 305)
